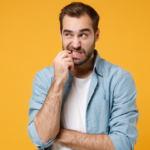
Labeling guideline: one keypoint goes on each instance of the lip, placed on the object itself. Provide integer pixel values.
(76, 55)
(75, 51)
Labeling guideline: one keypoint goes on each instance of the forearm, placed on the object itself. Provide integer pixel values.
(81, 141)
(47, 121)
(92, 142)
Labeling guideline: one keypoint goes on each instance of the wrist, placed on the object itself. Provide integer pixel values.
(58, 82)
(66, 136)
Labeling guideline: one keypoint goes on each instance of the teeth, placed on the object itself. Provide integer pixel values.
(75, 52)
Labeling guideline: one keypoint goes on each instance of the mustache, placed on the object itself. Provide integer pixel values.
(76, 49)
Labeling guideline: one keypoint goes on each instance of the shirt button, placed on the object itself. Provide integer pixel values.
(68, 85)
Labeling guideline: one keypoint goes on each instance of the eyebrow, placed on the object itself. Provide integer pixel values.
(82, 30)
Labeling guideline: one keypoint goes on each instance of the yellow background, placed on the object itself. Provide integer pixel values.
(29, 41)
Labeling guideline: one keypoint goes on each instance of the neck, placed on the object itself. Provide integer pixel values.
(83, 71)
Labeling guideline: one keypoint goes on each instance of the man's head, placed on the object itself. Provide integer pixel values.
(79, 30)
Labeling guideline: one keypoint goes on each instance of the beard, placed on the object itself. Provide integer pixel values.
(87, 53)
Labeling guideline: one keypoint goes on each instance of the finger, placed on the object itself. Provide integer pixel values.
(61, 55)
(65, 55)
(68, 51)
(68, 59)
(70, 65)
(64, 51)
(70, 68)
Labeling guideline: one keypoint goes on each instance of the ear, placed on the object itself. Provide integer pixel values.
(97, 34)
(60, 34)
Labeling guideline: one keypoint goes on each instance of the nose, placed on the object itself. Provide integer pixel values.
(76, 43)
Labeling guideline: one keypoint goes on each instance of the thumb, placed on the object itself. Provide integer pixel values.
(70, 68)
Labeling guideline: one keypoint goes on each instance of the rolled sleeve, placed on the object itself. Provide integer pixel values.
(40, 89)
(35, 137)
(124, 115)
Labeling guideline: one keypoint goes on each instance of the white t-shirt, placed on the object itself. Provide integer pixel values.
(74, 110)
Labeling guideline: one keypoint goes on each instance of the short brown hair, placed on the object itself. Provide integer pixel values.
(77, 9)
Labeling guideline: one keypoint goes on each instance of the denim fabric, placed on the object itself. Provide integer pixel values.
(111, 105)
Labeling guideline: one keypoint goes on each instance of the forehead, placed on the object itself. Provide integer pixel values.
(75, 24)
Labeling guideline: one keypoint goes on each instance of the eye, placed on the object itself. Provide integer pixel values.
(67, 34)
(83, 35)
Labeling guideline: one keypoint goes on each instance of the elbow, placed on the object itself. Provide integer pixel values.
(45, 139)
(45, 135)
(120, 141)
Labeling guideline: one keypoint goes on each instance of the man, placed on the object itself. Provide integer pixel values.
(82, 102)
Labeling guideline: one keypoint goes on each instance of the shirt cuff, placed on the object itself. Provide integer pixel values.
(35, 137)
(120, 142)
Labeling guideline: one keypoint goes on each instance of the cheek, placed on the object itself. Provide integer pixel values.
(66, 43)
(87, 43)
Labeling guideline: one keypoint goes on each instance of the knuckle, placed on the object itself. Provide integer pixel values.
(59, 53)
(63, 63)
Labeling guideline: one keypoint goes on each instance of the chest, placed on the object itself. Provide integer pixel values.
(96, 107)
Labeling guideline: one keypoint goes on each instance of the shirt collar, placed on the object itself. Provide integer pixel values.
(98, 64)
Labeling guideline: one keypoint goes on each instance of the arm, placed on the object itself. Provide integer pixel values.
(122, 123)
(47, 120)
(45, 106)
(124, 114)
(82, 141)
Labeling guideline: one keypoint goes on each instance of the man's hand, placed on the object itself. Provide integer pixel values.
(62, 64)
(59, 137)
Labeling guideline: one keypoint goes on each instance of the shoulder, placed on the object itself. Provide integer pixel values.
(115, 77)
(44, 77)
(47, 71)
(118, 83)
(111, 70)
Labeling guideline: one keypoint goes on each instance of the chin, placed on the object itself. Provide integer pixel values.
(79, 63)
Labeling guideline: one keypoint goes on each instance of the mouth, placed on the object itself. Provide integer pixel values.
(76, 54)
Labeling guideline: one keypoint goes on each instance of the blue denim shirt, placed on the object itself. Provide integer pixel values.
(111, 104)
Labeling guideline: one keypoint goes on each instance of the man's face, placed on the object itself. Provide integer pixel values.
(78, 37)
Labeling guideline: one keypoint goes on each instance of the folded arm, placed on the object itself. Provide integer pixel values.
(82, 141)
(122, 134)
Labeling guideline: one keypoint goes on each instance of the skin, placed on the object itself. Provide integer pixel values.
(78, 34)
(50, 111)
(82, 141)
(74, 37)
